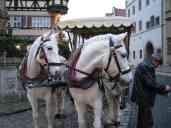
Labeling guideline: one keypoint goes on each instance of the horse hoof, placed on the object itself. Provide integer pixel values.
(60, 116)
(122, 106)
(115, 124)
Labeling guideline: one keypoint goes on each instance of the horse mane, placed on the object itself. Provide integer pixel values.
(105, 37)
(33, 68)
(97, 38)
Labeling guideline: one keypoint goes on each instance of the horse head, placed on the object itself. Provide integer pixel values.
(105, 52)
(120, 56)
(44, 53)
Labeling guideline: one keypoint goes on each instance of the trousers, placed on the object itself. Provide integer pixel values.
(145, 117)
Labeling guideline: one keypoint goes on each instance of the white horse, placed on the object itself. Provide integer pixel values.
(105, 52)
(44, 51)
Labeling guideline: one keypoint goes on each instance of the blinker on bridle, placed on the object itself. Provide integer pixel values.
(42, 49)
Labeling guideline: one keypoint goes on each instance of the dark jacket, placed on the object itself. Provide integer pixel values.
(145, 86)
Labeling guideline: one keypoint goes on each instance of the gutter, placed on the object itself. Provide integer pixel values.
(163, 33)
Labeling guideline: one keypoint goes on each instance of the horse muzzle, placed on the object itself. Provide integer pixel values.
(57, 75)
(126, 79)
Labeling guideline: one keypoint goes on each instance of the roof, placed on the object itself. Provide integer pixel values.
(97, 22)
(120, 12)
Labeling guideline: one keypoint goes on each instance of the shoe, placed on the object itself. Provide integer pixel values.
(60, 116)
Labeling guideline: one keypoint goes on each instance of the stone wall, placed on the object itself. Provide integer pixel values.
(3, 16)
(10, 85)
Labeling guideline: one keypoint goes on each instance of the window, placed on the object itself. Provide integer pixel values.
(157, 20)
(9, 25)
(133, 54)
(141, 54)
(128, 12)
(133, 10)
(168, 7)
(140, 25)
(15, 21)
(38, 22)
(24, 21)
(134, 27)
(147, 2)
(147, 24)
(152, 21)
(139, 5)
(169, 45)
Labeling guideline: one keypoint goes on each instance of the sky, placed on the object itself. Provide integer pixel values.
(91, 8)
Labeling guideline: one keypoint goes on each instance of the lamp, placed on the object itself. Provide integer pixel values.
(56, 8)
(18, 47)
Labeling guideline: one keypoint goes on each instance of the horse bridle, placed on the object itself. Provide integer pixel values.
(48, 64)
(113, 54)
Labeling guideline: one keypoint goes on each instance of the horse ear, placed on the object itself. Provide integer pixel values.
(122, 36)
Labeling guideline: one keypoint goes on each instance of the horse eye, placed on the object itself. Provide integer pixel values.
(124, 55)
(49, 48)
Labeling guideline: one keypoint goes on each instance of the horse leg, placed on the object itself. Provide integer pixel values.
(98, 113)
(114, 110)
(49, 110)
(81, 108)
(34, 104)
(60, 94)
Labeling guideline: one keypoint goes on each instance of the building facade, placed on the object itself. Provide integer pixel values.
(148, 26)
(28, 19)
(117, 12)
(168, 31)
(3, 16)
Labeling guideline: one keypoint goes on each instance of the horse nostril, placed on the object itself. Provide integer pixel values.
(57, 75)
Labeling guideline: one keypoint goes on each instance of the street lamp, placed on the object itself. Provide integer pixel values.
(56, 8)
(18, 47)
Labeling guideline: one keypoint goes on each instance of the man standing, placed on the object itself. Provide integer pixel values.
(145, 87)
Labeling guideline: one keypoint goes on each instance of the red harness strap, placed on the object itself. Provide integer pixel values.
(72, 66)
(23, 70)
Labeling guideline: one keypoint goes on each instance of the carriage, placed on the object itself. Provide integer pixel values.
(79, 30)
(103, 45)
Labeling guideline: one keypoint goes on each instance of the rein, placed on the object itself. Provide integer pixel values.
(112, 54)
(55, 64)
(68, 66)
(90, 75)
(117, 63)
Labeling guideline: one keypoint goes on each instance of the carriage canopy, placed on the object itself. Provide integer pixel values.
(89, 27)
(96, 22)
(98, 25)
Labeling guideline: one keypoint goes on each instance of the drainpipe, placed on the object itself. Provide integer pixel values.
(163, 33)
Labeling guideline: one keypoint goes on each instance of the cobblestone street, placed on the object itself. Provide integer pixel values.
(162, 114)
(24, 119)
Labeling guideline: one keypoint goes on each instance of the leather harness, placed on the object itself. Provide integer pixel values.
(90, 76)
